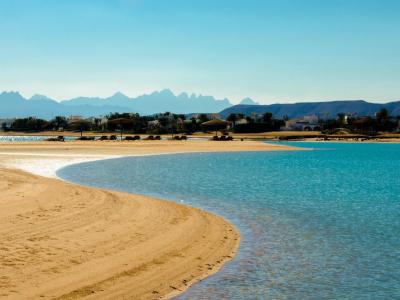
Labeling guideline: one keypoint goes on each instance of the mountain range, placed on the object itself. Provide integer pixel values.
(324, 110)
(12, 104)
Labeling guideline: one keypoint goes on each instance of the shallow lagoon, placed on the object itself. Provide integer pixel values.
(321, 224)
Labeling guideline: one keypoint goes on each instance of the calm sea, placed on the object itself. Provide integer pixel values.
(322, 224)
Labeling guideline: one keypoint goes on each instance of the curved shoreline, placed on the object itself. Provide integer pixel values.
(226, 238)
(103, 244)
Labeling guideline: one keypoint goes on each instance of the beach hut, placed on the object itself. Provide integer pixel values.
(215, 125)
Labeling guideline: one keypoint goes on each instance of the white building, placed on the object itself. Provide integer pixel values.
(212, 116)
(72, 119)
(307, 123)
(154, 123)
(241, 121)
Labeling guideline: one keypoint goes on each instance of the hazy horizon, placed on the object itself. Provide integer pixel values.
(270, 51)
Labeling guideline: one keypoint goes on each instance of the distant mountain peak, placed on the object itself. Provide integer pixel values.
(13, 104)
(11, 93)
(248, 101)
(11, 96)
(119, 95)
(38, 97)
(166, 92)
(118, 98)
(183, 95)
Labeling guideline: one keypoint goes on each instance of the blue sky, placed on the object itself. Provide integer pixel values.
(269, 50)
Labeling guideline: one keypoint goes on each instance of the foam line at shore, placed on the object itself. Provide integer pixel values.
(47, 166)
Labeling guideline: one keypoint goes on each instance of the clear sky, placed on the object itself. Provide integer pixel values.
(269, 50)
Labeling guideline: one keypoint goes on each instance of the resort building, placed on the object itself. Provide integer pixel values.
(306, 123)
(212, 116)
(241, 121)
(153, 124)
(72, 119)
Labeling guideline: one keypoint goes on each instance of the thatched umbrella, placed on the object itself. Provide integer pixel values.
(80, 125)
(120, 123)
(215, 125)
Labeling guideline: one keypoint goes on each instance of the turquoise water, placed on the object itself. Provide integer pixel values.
(322, 224)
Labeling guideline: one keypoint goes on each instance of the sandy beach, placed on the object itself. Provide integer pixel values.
(64, 241)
